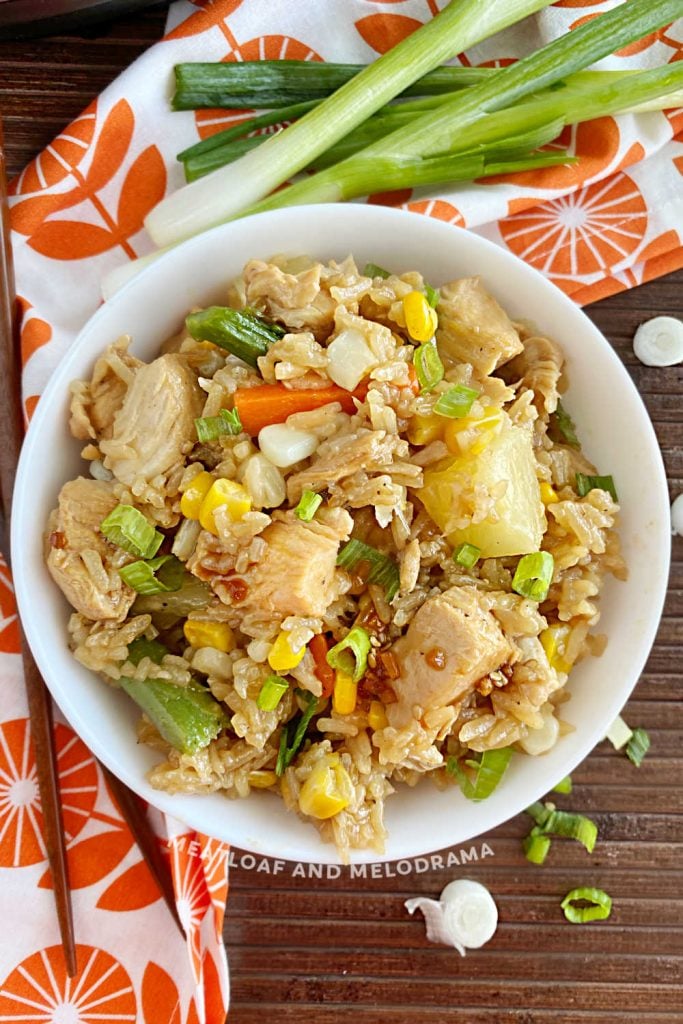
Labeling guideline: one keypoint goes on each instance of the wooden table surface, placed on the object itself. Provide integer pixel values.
(326, 951)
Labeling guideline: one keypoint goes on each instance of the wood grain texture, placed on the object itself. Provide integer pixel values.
(318, 951)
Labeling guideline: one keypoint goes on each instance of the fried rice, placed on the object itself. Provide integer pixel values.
(459, 659)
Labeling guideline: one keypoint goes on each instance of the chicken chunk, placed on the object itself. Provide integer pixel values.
(473, 328)
(81, 562)
(451, 643)
(153, 426)
(539, 367)
(365, 450)
(297, 300)
(94, 403)
(296, 575)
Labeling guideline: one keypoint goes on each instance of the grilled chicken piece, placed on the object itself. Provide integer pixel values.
(296, 575)
(152, 427)
(539, 367)
(296, 300)
(366, 450)
(94, 403)
(452, 642)
(473, 328)
(82, 563)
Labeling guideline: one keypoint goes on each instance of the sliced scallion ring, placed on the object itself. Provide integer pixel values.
(271, 693)
(550, 821)
(466, 555)
(383, 569)
(432, 295)
(456, 402)
(490, 770)
(309, 504)
(534, 575)
(536, 846)
(350, 655)
(128, 528)
(564, 785)
(155, 576)
(209, 428)
(599, 910)
(638, 746)
(372, 270)
(428, 365)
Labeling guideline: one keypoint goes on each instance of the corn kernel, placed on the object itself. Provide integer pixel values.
(209, 634)
(228, 493)
(262, 778)
(548, 494)
(327, 790)
(421, 318)
(281, 657)
(425, 429)
(554, 641)
(345, 694)
(377, 718)
(191, 501)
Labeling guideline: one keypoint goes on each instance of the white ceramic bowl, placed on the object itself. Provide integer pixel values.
(614, 427)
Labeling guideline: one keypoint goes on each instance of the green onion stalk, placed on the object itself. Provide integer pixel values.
(232, 189)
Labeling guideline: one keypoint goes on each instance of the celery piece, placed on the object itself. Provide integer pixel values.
(186, 716)
(242, 332)
(144, 648)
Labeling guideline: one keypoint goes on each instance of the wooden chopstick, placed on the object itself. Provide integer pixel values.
(40, 705)
(134, 815)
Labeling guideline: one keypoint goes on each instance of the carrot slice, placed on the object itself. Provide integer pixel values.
(325, 673)
(272, 403)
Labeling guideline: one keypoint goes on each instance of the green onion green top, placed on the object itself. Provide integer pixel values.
(456, 402)
(242, 332)
(599, 909)
(466, 555)
(585, 483)
(271, 693)
(432, 295)
(209, 428)
(428, 365)
(384, 570)
(156, 576)
(534, 575)
(566, 429)
(309, 503)
(129, 529)
(350, 655)
(297, 730)
(638, 746)
(489, 772)
(536, 846)
(372, 270)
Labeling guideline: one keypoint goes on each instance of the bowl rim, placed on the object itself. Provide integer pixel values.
(53, 392)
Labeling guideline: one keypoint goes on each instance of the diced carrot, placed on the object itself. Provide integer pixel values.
(272, 403)
(414, 382)
(325, 673)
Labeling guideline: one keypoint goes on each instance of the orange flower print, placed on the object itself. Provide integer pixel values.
(21, 821)
(192, 895)
(39, 990)
(439, 209)
(215, 858)
(34, 332)
(209, 122)
(60, 158)
(9, 624)
(587, 232)
(210, 13)
(160, 999)
(384, 31)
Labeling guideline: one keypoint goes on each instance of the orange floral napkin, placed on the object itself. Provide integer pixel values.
(611, 222)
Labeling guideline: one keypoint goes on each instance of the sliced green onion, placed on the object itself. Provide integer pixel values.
(456, 402)
(550, 821)
(599, 910)
(638, 746)
(350, 655)
(309, 504)
(428, 365)
(536, 846)
(129, 529)
(564, 785)
(245, 127)
(585, 483)
(187, 717)
(209, 428)
(271, 693)
(230, 190)
(432, 295)
(384, 570)
(619, 733)
(533, 575)
(242, 332)
(372, 270)
(466, 555)
(287, 751)
(490, 770)
(143, 648)
(155, 576)
(565, 426)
